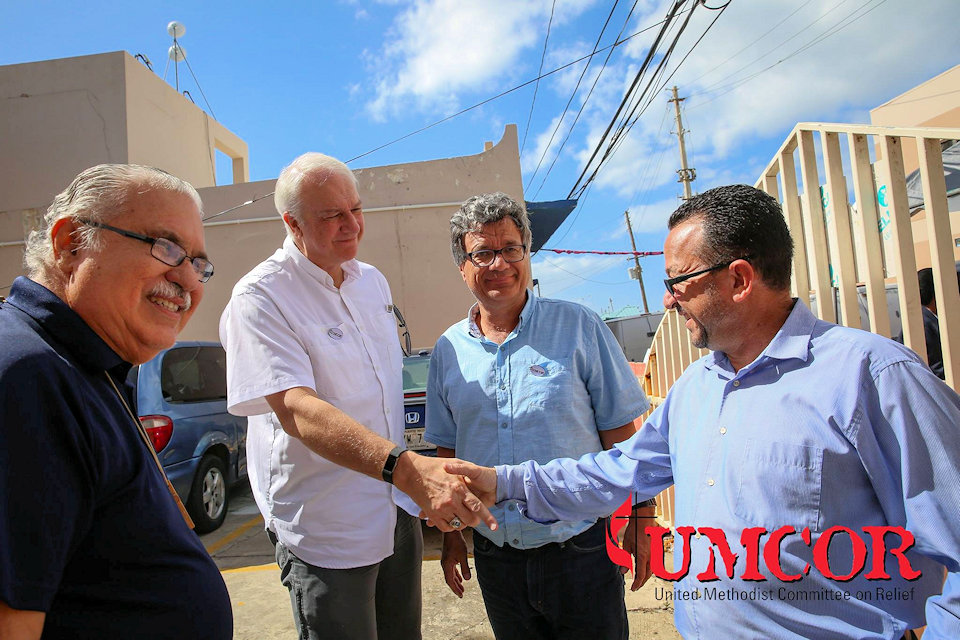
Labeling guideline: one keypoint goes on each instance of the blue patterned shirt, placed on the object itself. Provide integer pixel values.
(556, 381)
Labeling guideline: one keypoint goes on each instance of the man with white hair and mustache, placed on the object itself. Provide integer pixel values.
(93, 541)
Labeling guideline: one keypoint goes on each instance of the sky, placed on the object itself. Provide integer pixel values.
(347, 76)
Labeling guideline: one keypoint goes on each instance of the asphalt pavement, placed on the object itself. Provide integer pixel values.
(261, 606)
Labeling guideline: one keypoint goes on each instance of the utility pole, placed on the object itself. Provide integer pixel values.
(687, 175)
(636, 261)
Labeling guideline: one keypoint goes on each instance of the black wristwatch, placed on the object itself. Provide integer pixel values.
(391, 463)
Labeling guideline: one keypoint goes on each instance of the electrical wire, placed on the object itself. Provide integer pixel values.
(665, 25)
(199, 87)
(536, 87)
(503, 93)
(820, 38)
(583, 105)
(566, 107)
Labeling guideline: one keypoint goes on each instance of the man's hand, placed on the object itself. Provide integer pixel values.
(454, 553)
(481, 480)
(637, 543)
(442, 496)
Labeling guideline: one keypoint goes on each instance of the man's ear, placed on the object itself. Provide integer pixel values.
(744, 279)
(293, 224)
(63, 238)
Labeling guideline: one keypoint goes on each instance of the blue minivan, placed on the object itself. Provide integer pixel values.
(181, 397)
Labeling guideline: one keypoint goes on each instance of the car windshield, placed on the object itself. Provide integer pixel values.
(415, 373)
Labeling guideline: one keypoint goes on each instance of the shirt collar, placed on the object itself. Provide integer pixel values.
(351, 268)
(64, 325)
(525, 315)
(791, 342)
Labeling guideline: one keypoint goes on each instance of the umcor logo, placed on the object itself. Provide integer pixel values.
(768, 552)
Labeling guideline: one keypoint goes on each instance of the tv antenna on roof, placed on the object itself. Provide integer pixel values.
(177, 53)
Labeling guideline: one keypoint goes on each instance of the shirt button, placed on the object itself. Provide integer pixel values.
(511, 506)
(697, 535)
(710, 482)
(516, 541)
(388, 410)
(723, 430)
(503, 426)
(502, 386)
(736, 383)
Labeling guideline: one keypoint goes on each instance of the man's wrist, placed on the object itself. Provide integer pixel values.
(390, 465)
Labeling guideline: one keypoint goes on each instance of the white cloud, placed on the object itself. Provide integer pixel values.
(556, 272)
(838, 79)
(437, 49)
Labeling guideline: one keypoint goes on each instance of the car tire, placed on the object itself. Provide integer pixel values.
(207, 503)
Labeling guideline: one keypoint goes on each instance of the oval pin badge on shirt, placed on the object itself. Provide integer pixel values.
(335, 333)
(538, 371)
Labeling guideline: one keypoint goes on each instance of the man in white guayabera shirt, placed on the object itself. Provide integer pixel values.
(313, 358)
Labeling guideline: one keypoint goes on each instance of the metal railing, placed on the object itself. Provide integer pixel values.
(848, 257)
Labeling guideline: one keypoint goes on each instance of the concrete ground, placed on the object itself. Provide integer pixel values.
(261, 606)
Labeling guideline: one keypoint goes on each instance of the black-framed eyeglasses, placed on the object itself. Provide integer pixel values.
(486, 257)
(163, 249)
(670, 282)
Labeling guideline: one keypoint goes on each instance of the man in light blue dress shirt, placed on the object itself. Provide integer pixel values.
(839, 434)
(528, 378)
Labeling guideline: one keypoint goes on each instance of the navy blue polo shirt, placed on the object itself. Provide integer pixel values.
(88, 532)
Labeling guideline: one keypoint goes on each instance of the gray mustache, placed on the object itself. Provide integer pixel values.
(167, 289)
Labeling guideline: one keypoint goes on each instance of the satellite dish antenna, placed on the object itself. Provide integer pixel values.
(176, 29)
(177, 53)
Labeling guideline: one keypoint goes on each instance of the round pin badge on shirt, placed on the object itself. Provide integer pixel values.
(335, 333)
(538, 371)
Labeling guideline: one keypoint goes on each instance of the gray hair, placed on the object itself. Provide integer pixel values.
(482, 210)
(289, 190)
(98, 194)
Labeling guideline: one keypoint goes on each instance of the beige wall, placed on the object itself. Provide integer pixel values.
(57, 118)
(935, 103)
(407, 209)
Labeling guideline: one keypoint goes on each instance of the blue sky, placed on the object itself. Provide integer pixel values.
(345, 77)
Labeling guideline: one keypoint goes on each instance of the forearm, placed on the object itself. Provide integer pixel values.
(329, 432)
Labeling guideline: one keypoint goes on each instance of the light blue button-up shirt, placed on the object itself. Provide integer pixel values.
(828, 426)
(558, 379)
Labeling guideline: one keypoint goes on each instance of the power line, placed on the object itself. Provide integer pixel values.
(566, 107)
(665, 24)
(582, 105)
(536, 87)
(500, 95)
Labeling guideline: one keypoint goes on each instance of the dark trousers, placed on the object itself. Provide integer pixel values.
(378, 602)
(562, 591)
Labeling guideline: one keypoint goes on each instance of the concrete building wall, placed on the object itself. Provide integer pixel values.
(407, 209)
(935, 103)
(57, 118)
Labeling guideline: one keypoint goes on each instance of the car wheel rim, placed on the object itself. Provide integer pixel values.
(214, 493)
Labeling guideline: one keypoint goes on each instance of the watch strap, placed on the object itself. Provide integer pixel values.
(392, 458)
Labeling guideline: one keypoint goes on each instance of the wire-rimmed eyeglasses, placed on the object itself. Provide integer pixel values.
(163, 249)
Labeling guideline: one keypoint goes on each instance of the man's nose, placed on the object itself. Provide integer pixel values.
(669, 302)
(499, 262)
(185, 275)
(351, 223)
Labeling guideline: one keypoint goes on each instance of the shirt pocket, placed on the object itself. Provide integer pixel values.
(545, 382)
(779, 485)
(341, 366)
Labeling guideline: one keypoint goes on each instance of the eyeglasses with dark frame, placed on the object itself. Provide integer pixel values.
(670, 282)
(163, 249)
(486, 257)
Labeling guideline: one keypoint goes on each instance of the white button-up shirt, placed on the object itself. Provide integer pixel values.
(287, 326)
